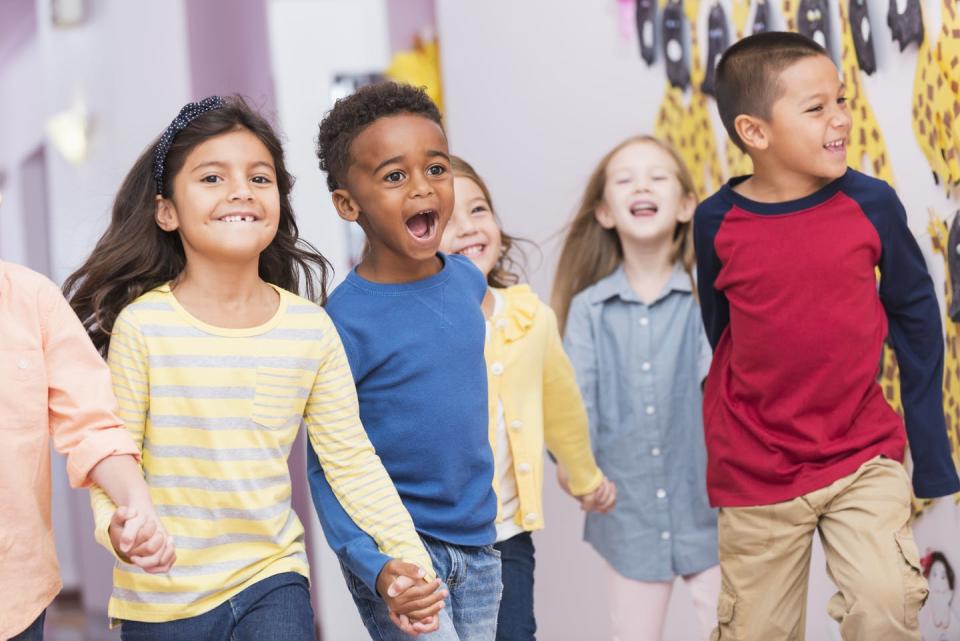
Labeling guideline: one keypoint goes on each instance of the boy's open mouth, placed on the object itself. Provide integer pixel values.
(423, 225)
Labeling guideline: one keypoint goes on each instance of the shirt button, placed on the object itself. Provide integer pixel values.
(646, 366)
(497, 369)
(531, 517)
(650, 410)
(523, 468)
(655, 451)
(22, 363)
(644, 321)
(661, 493)
(665, 536)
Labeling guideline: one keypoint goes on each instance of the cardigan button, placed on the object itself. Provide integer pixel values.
(530, 517)
(524, 468)
(516, 425)
(497, 369)
(501, 323)
(22, 363)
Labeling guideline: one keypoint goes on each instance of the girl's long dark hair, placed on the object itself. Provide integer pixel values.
(134, 255)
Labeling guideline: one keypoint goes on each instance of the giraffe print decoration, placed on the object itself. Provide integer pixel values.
(936, 100)
(905, 22)
(674, 44)
(718, 39)
(862, 36)
(944, 244)
(647, 30)
(952, 257)
(813, 21)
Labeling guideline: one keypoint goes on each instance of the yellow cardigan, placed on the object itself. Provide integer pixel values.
(529, 372)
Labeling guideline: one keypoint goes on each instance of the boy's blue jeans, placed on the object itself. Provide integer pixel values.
(274, 609)
(472, 577)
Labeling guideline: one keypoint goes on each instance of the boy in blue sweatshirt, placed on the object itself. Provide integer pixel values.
(411, 323)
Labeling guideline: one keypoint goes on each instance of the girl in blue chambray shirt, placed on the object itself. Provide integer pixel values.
(634, 334)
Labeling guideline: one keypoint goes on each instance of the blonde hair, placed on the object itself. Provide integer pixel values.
(504, 273)
(591, 252)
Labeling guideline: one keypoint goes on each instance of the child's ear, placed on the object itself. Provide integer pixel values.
(752, 131)
(687, 207)
(603, 216)
(166, 215)
(346, 206)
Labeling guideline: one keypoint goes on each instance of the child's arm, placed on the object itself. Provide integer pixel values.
(910, 301)
(362, 515)
(565, 423)
(132, 532)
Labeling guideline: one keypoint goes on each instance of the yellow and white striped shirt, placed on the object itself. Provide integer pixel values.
(215, 412)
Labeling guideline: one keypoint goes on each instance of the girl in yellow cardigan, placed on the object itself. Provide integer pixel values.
(533, 397)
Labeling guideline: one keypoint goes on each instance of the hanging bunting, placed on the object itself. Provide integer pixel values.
(862, 36)
(647, 30)
(761, 17)
(905, 22)
(718, 39)
(675, 45)
(813, 21)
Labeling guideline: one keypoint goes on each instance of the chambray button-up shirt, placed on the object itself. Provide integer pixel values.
(639, 368)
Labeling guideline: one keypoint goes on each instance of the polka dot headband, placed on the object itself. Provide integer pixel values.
(187, 115)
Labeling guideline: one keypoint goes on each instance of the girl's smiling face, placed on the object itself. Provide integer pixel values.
(473, 230)
(225, 202)
(643, 199)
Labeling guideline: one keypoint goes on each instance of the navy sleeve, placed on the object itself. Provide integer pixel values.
(714, 306)
(908, 296)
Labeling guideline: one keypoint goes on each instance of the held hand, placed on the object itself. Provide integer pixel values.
(602, 499)
(413, 603)
(140, 539)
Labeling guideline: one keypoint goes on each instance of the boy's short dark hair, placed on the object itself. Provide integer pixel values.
(354, 113)
(748, 74)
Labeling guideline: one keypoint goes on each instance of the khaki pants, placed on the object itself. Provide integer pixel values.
(871, 556)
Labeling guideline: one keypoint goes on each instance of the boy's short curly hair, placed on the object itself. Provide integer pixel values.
(748, 74)
(356, 112)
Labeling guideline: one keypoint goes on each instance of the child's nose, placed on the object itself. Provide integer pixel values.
(240, 190)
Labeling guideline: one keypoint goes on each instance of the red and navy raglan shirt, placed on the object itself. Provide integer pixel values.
(792, 307)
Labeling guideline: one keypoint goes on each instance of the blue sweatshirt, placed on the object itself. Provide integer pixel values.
(416, 353)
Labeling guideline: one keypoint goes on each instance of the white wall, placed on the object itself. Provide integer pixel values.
(536, 93)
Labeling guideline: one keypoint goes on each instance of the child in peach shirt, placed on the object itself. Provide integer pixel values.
(54, 385)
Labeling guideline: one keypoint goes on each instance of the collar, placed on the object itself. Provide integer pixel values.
(518, 313)
(616, 284)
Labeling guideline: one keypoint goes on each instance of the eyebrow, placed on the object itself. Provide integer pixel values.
(218, 163)
(821, 94)
(432, 153)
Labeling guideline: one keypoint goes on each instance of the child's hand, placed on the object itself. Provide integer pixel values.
(139, 538)
(601, 499)
(412, 602)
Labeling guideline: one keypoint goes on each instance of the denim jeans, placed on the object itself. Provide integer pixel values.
(34, 632)
(274, 609)
(516, 621)
(472, 577)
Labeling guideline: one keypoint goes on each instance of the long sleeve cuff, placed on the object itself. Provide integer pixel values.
(95, 447)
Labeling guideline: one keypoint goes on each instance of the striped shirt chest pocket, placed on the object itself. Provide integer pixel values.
(280, 397)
